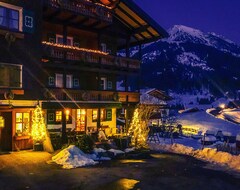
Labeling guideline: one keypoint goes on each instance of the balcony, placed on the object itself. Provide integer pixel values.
(83, 7)
(86, 56)
(83, 95)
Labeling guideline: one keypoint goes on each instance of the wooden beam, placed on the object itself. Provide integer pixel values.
(70, 18)
(94, 24)
(51, 16)
(82, 21)
(131, 17)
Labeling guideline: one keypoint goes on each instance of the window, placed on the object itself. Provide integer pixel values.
(94, 115)
(22, 123)
(58, 115)
(59, 80)
(76, 82)
(11, 75)
(81, 120)
(109, 84)
(106, 115)
(59, 40)
(69, 81)
(51, 81)
(103, 47)
(103, 83)
(9, 18)
(2, 122)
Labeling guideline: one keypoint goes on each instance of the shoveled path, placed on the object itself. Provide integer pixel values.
(30, 170)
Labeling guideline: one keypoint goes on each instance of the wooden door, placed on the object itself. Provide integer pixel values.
(6, 132)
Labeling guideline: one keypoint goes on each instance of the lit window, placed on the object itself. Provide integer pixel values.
(106, 115)
(2, 122)
(9, 18)
(22, 123)
(81, 117)
(94, 115)
(67, 112)
(58, 116)
(59, 80)
(69, 81)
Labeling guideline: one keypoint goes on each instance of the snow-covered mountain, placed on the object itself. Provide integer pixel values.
(191, 60)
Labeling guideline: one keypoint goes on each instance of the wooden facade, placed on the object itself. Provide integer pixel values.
(63, 54)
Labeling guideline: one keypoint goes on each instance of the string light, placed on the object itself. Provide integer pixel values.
(138, 130)
(74, 48)
(38, 125)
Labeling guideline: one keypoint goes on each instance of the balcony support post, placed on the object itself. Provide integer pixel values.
(64, 128)
(126, 83)
(98, 119)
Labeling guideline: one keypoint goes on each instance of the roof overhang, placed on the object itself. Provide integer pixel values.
(159, 94)
(80, 104)
(142, 28)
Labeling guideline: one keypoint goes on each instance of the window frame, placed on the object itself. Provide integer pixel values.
(104, 115)
(69, 83)
(61, 37)
(20, 15)
(59, 84)
(22, 122)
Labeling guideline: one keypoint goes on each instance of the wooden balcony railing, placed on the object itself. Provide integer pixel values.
(83, 7)
(88, 57)
(83, 95)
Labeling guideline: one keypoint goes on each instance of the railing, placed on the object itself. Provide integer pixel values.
(83, 95)
(86, 57)
(83, 7)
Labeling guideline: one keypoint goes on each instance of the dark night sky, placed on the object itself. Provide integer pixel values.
(219, 16)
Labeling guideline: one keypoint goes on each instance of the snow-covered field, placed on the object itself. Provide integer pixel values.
(203, 121)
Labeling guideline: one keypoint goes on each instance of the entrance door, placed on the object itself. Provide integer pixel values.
(6, 132)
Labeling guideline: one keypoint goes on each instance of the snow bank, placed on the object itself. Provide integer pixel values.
(207, 154)
(132, 149)
(72, 157)
(115, 152)
(231, 114)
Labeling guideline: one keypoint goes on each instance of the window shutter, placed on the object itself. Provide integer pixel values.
(28, 21)
(109, 114)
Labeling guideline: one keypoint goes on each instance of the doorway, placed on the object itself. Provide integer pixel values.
(6, 131)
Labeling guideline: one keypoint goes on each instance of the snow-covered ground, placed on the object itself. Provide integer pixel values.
(73, 157)
(203, 121)
(206, 154)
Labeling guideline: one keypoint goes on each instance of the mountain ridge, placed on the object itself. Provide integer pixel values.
(191, 60)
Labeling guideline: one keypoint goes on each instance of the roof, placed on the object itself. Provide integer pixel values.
(143, 28)
(161, 95)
